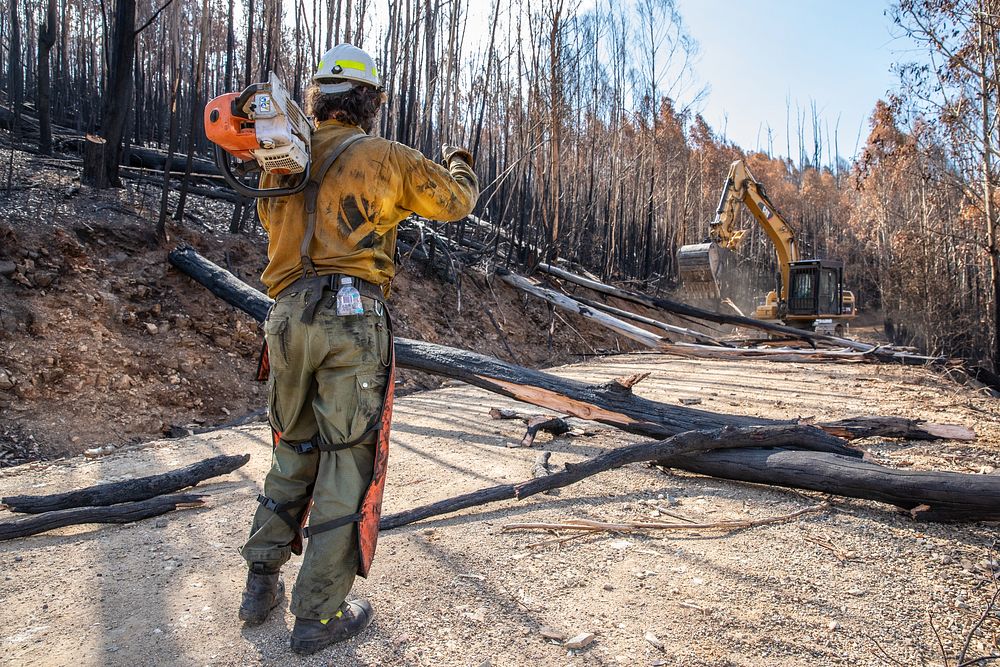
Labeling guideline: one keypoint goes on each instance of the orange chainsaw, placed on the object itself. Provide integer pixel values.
(264, 129)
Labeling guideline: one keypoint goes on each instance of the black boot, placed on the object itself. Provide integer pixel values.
(309, 636)
(263, 593)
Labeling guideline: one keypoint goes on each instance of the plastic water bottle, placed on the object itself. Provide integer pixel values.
(349, 298)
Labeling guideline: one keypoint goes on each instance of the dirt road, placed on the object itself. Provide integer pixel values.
(459, 591)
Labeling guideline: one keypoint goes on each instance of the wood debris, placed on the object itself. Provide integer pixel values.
(829, 467)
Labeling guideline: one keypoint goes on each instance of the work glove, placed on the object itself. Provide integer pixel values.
(449, 153)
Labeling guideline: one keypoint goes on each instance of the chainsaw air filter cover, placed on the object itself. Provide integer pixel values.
(290, 159)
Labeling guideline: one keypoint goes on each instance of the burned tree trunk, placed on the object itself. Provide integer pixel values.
(648, 321)
(155, 158)
(46, 39)
(102, 170)
(129, 490)
(15, 73)
(641, 336)
(554, 425)
(95, 154)
(123, 513)
(927, 495)
(196, 109)
(690, 443)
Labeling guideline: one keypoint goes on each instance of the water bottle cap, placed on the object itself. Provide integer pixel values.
(346, 280)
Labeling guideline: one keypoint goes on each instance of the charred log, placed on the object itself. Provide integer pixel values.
(926, 495)
(690, 443)
(123, 513)
(129, 490)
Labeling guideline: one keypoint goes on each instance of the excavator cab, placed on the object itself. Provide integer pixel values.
(815, 288)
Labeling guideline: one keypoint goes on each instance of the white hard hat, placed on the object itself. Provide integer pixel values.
(343, 67)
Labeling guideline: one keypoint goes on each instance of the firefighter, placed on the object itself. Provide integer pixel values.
(330, 390)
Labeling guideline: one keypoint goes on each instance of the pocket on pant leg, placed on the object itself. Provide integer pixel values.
(276, 335)
(370, 391)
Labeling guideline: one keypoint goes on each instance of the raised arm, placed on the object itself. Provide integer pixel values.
(434, 191)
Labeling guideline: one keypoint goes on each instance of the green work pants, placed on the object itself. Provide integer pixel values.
(327, 377)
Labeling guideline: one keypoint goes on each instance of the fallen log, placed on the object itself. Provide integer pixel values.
(128, 490)
(220, 194)
(122, 513)
(691, 442)
(638, 334)
(180, 176)
(220, 282)
(29, 122)
(926, 495)
(155, 158)
(895, 427)
(612, 403)
(882, 354)
(648, 321)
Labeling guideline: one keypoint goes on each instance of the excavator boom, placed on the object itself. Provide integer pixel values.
(697, 270)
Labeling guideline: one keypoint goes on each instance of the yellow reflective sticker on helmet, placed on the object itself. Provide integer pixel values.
(320, 66)
(351, 64)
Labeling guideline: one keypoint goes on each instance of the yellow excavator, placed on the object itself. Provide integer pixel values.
(810, 295)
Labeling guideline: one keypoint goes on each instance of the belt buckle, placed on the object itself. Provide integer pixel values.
(304, 447)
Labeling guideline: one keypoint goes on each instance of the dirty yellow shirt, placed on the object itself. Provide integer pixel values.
(369, 190)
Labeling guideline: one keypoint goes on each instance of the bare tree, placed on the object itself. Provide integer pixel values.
(101, 162)
(46, 40)
(959, 87)
(15, 75)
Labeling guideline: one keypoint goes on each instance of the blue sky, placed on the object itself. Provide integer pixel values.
(756, 54)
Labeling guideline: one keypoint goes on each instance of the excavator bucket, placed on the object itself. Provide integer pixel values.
(698, 266)
(710, 273)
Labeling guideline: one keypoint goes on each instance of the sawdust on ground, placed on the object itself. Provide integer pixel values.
(460, 591)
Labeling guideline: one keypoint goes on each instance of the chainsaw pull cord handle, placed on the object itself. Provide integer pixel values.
(225, 166)
(311, 189)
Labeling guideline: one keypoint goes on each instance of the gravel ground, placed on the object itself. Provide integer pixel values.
(855, 585)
